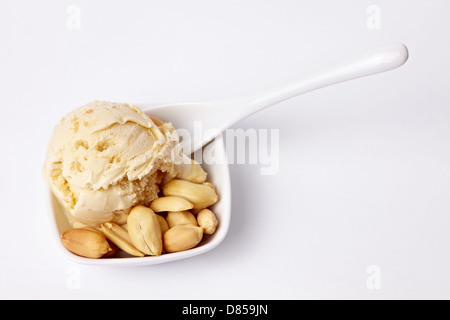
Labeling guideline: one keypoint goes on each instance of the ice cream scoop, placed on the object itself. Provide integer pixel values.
(104, 158)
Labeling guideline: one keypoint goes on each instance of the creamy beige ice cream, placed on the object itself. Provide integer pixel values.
(105, 158)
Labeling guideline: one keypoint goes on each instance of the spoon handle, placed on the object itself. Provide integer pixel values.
(375, 61)
(220, 115)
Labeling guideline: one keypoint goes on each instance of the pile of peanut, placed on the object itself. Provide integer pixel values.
(174, 222)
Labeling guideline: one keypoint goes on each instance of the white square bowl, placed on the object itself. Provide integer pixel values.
(218, 174)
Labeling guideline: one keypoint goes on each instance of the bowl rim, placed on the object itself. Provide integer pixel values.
(218, 238)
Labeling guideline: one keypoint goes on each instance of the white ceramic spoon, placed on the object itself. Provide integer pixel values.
(212, 118)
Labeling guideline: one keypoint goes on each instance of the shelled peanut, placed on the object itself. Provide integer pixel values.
(176, 221)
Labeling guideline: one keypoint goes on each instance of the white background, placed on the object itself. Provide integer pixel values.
(364, 176)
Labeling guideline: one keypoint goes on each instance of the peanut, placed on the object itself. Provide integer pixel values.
(201, 195)
(207, 220)
(86, 242)
(120, 237)
(175, 218)
(170, 204)
(144, 230)
(182, 237)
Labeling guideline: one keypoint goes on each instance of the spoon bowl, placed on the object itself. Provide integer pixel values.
(201, 124)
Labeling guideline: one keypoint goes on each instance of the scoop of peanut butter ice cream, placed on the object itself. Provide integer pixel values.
(105, 158)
